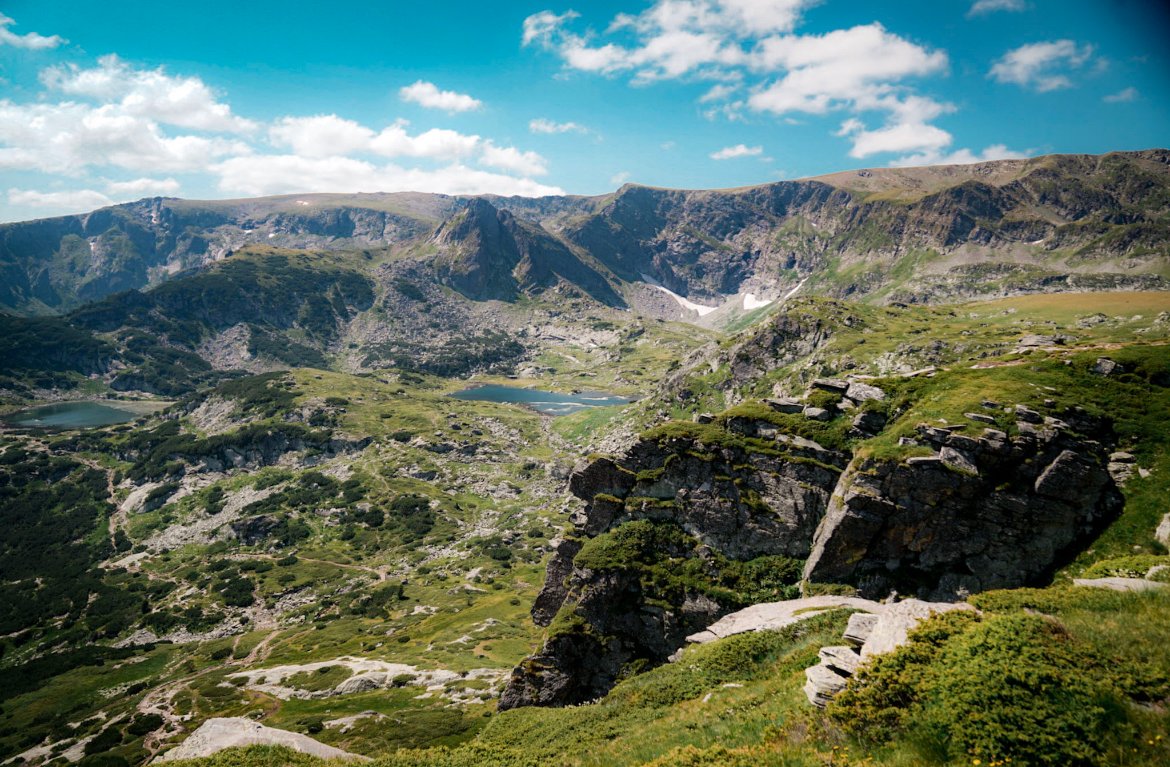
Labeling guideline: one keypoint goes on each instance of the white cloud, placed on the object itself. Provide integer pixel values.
(428, 95)
(960, 157)
(737, 151)
(719, 92)
(76, 200)
(542, 26)
(619, 178)
(30, 40)
(281, 174)
(1123, 96)
(839, 69)
(435, 144)
(320, 135)
(861, 69)
(512, 159)
(543, 125)
(1042, 66)
(898, 137)
(144, 186)
(982, 7)
(186, 102)
(67, 137)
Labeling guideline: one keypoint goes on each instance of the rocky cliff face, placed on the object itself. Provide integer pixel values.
(718, 503)
(720, 500)
(981, 513)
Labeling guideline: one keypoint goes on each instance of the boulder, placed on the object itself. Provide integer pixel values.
(859, 392)
(981, 417)
(822, 684)
(372, 680)
(869, 422)
(1162, 533)
(1106, 367)
(957, 460)
(817, 414)
(785, 405)
(1028, 415)
(834, 385)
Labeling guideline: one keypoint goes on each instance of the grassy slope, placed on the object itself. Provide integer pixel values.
(650, 716)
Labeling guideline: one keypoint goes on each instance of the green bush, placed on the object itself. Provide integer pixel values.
(881, 698)
(1018, 687)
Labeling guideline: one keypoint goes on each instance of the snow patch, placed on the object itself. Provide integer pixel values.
(751, 302)
(702, 311)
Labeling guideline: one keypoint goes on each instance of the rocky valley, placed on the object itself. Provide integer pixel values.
(919, 411)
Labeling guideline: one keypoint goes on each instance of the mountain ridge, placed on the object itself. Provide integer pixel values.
(980, 230)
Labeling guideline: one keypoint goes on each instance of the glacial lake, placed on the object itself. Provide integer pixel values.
(547, 402)
(70, 415)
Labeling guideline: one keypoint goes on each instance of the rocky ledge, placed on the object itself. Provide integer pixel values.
(976, 514)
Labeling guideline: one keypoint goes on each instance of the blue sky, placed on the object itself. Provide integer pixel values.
(108, 102)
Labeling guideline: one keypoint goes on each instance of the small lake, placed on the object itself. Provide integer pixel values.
(547, 402)
(69, 415)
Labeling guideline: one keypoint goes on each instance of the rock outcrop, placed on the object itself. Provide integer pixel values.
(738, 494)
(883, 629)
(215, 735)
(980, 513)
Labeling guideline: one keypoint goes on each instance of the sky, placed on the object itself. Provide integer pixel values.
(111, 102)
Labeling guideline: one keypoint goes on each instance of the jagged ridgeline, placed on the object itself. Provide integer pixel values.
(303, 540)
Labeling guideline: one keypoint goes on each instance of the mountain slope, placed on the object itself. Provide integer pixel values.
(1072, 222)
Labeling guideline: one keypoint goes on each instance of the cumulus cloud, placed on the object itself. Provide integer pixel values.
(1123, 96)
(737, 151)
(512, 159)
(428, 95)
(29, 40)
(619, 178)
(282, 174)
(899, 137)
(960, 157)
(983, 7)
(320, 135)
(752, 46)
(68, 137)
(144, 186)
(185, 102)
(1041, 67)
(543, 125)
(74, 200)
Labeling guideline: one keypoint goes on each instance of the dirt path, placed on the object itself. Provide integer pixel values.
(161, 700)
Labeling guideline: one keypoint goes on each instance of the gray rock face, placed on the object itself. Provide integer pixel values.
(933, 527)
(552, 595)
(730, 499)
